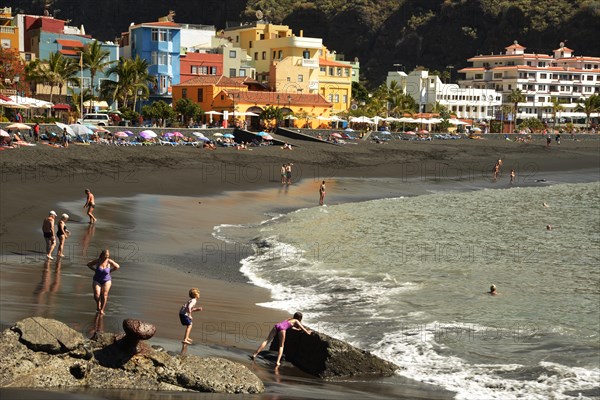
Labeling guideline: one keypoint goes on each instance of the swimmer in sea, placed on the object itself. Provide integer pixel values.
(280, 330)
(493, 291)
(545, 205)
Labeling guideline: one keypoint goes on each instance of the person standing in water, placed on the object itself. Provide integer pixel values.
(90, 204)
(48, 231)
(280, 330)
(322, 193)
(62, 233)
(102, 267)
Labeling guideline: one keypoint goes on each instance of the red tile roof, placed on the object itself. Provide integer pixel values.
(69, 43)
(331, 63)
(515, 46)
(564, 49)
(219, 80)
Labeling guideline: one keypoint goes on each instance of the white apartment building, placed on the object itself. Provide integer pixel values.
(464, 102)
(541, 77)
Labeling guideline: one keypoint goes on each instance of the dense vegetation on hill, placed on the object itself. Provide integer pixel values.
(380, 33)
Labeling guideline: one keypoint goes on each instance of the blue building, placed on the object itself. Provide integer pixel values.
(158, 43)
(46, 35)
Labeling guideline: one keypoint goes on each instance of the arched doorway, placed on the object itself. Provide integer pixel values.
(255, 121)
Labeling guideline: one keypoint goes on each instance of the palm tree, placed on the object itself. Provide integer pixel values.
(95, 59)
(78, 98)
(515, 97)
(132, 78)
(556, 108)
(589, 106)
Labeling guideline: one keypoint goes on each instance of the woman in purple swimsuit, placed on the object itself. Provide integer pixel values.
(102, 267)
(279, 330)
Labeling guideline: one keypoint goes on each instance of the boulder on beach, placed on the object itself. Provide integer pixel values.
(321, 355)
(45, 353)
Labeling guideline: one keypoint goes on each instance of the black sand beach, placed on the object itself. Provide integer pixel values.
(227, 187)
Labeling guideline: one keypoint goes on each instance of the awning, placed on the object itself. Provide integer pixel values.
(95, 103)
(68, 52)
(69, 43)
(61, 106)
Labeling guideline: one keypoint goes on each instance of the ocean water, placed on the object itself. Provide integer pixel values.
(407, 279)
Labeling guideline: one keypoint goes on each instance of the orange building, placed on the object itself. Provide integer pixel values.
(9, 32)
(226, 95)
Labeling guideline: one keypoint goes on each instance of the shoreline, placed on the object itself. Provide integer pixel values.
(20, 221)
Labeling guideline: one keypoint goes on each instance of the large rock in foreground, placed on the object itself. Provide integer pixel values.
(43, 353)
(326, 357)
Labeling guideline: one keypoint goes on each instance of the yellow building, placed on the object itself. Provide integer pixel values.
(9, 32)
(291, 64)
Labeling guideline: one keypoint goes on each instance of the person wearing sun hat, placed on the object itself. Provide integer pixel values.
(48, 231)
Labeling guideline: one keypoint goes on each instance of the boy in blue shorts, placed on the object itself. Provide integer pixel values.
(185, 314)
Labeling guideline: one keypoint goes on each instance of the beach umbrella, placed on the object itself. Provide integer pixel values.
(198, 134)
(177, 134)
(148, 134)
(409, 133)
(476, 129)
(336, 135)
(62, 127)
(385, 132)
(203, 138)
(218, 134)
(228, 135)
(423, 131)
(95, 128)
(349, 130)
(322, 118)
(19, 126)
(4, 133)
(121, 134)
(361, 119)
(268, 137)
(129, 133)
(168, 134)
(262, 134)
(80, 129)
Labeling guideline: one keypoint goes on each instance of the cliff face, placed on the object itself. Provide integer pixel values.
(430, 33)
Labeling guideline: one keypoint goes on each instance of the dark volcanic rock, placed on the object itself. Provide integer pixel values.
(48, 335)
(326, 357)
(29, 359)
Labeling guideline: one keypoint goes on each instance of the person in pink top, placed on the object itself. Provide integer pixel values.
(280, 330)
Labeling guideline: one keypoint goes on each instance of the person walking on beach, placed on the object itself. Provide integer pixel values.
(102, 267)
(322, 193)
(288, 173)
(90, 205)
(36, 132)
(62, 233)
(280, 330)
(185, 314)
(512, 176)
(48, 231)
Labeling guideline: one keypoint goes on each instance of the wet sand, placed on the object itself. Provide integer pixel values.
(157, 208)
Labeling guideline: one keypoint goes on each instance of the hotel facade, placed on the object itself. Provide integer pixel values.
(541, 78)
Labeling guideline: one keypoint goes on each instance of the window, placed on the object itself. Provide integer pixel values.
(323, 69)
(250, 44)
(213, 70)
(184, 93)
(242, 72)
(279, 54)
(194, 70)
(6, 43)
(232, 72)
(331, 71)
(339, 71)
(345, 99)
(161, 58)
(543, 76)
(255, 55)
(498, 75)
(330, 98)
(232, 53)
(264, 55)
(200, 94)
(590, 78)
(306, 54)
(346, 72)
(541, 64)
(274, 54)
(300, 78)
(237, 38)
(478, 76)
(160, 35)
(336, 98)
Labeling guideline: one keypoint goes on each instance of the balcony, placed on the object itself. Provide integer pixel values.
(8, 29)
(310, 63)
